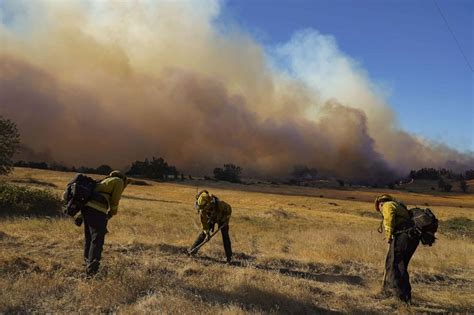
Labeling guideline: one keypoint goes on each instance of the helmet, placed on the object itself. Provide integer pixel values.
(117, 174)
(120, 175)
(203, 198)
(382, 198)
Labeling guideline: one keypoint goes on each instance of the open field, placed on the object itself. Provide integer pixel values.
(297, 250)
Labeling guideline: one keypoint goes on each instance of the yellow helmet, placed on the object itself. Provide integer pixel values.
(382, 198)
(117, 174)
(120, 175)
(203, 198)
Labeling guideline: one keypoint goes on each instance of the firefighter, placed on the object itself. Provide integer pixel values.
(96, 214)
(403, 240)
(213, 211)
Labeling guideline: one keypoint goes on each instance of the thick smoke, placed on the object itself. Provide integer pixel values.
(112, 82)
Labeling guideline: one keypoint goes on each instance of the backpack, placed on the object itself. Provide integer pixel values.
(425, 223)
(79, 191)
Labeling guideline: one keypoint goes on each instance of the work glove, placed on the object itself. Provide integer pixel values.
(207, 234)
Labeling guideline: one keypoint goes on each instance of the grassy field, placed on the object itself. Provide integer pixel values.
(297, 250)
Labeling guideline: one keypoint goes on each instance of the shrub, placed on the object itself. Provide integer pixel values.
(9, 142)
(23, 201)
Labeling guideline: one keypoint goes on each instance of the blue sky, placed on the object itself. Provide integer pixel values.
(403, 45)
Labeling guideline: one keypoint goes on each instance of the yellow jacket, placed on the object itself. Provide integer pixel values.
(394, 213)
(111, 189)
(210, 211)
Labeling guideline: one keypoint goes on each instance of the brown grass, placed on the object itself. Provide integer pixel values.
(295, 252)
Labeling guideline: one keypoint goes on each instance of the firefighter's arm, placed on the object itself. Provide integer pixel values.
(388, 212)
(205, 223)
(115, 197)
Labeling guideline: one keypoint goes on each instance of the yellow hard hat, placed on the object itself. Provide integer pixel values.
(203, 199)
(120, 175)
(382, 198)
(117, 174)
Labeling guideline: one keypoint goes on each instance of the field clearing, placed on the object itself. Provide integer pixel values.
(297, 250)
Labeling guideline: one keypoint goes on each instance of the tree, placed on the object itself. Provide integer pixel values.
(9, 144)
(302, 172)
(469, 174)
(230, 173)
(154, 169)
(463, 184)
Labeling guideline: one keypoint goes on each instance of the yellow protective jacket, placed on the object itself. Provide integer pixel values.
(219, 213)
(111, 189)
(394, 213)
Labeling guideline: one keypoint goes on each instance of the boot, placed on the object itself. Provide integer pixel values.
(92, 269)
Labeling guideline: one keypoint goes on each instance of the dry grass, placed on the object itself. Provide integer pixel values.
(295, 252)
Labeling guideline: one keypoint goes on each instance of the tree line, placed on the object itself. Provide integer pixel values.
(437, 174)
(159, 169)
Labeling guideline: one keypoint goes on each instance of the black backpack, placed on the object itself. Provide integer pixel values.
(425, 223)
(79, 191)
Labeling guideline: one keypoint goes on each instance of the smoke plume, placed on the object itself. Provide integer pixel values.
(112, 82)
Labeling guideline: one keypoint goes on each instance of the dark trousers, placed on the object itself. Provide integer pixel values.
(397, 280)
(95, 228)
(225, 238)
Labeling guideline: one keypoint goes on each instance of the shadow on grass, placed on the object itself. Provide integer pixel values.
(150, 199)
(317, 272)
(429, 307)
(34, 181)
(251, 298)
(314, 275)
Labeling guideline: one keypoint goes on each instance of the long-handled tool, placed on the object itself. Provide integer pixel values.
(384, 279)
(196, 248)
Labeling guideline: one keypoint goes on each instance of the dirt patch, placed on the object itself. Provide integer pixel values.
(18, 265)
(172, 249)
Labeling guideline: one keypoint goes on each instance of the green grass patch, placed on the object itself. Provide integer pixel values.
(24, 201)
(458, 227)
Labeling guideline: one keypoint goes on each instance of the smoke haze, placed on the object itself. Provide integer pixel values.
(93, 82)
